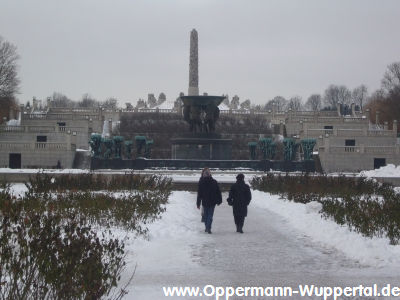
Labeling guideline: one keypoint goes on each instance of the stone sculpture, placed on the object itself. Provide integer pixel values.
(95, 144)
(128, 149)
(308, 146)
(252, 149)
(267, 147)
(140, 144)
(289, 149)
(147, 151)
(108, 144)
(194, 65)
(118, 141)
(201, 118)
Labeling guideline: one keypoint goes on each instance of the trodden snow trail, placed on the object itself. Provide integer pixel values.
(271, 252)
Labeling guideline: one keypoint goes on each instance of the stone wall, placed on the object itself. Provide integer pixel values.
(43, 158)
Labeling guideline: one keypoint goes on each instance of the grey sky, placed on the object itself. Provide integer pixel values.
(256, 49)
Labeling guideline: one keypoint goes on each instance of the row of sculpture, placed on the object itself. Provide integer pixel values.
(116, 147)
(268, 148)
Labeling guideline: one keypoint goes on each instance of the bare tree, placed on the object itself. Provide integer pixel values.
(245, 104)
(336, 94)
(314, 102)
(226, 100)
(88, 101)
(235, 102)
(278, 103)
(9, 80)
(294, 103)
(161, 98)
(141, 103)
(60, 100)
(360, 95)
(391, 78)
(151, 100)
(6, 105)
(256, 107)
(110, 103)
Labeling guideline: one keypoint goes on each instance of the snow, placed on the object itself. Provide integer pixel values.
(285, 243)
(18, 189)
(13, 122)
(306, 219)
(167, 104)
(279, 138)
(223, 106)
(47, 171)
(106, 129)
(387, 171)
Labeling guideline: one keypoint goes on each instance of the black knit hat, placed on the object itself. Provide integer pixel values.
(240, 176)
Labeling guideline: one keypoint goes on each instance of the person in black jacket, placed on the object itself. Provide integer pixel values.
(208, 195)
(239, 198)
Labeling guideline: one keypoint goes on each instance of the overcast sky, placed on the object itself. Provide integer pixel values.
(256, 49)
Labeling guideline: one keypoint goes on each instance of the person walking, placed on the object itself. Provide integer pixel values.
(239, 198)
(208, 196)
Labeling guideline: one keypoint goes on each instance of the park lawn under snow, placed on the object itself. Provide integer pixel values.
(179, 222)
(171, 239)
(307, 220)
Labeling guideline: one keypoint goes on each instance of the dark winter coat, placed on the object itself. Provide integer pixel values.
(240, 196)
(208, 193)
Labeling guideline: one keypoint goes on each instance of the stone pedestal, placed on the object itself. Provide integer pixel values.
(202, 147)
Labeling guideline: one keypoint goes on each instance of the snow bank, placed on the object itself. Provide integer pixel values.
(387, 171)
(179, 226)
(47, 171)
(167, 104)
(306, 219)
(13, 122)
(223, 106)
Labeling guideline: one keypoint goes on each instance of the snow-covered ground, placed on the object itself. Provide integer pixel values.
(33, 171)
(387, 171)
(284, 244)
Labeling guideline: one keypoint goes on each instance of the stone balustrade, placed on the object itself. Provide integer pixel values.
(40, 129)
(374, 150)
(33, 146)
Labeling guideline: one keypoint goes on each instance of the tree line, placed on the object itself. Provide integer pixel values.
(385, 99)
(332, 96)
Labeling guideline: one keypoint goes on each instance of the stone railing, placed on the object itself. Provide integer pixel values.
(6, 128)
(315, 132)
(50, 146)
(328, 120)
(381, 150)
(15, 145)
(74, 110)
(348, 132)
(382, 133)
(150, 110)
(33, 146)
(60, 116)
(391, 150)
(342, 149)
(41, 129)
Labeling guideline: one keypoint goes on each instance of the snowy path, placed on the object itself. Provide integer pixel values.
(271, 252)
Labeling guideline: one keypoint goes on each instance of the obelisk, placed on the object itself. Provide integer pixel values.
(194, 65)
